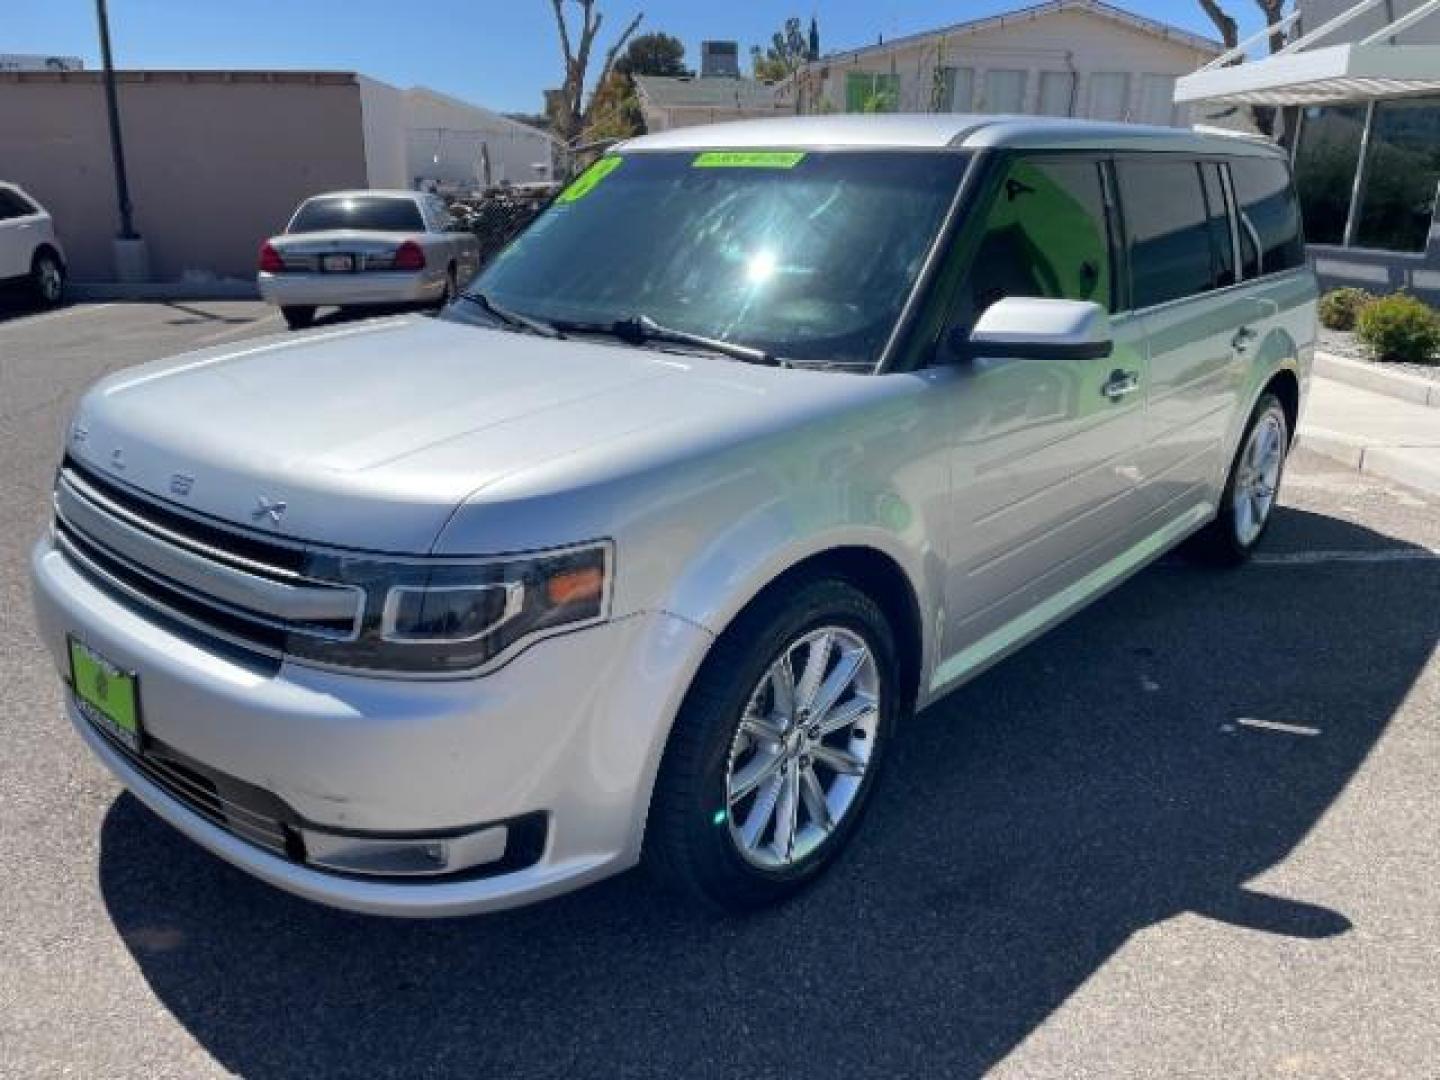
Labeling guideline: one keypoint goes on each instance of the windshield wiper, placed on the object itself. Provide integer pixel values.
(640, 329)
(512, 318)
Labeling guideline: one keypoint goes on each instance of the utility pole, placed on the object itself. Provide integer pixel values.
(132, 259)
(117, 146)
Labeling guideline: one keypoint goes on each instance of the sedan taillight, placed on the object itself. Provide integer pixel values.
(270, 261)
(409, 256)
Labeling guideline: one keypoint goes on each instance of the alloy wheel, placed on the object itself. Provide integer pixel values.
(1258, 477)
(802, 748)
(51, 280)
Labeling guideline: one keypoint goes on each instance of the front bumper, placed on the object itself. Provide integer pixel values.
(365, 287)
(571, 729)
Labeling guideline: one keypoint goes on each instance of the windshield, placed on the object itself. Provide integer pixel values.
(376, 213)
(808, 256)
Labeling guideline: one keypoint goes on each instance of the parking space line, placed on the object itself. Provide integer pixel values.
(1312, 558)
(1276, 725)
(233, 330)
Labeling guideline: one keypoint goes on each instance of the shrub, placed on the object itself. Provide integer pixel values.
(1399, 327)
(1339, 308)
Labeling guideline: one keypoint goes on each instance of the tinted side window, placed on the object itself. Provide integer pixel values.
(1269, 215)
(1217, 209)
(1168, 229)
(1046, 234)
(12, 205)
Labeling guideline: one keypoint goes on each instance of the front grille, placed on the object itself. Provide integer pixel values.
(244, 589)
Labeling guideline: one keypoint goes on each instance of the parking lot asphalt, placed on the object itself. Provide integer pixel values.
(1192, 832)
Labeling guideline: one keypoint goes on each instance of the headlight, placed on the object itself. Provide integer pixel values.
(440, 616)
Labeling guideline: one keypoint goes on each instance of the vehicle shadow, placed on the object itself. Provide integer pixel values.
(1090, 786)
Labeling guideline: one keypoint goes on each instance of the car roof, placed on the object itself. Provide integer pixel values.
(938, 131)
(384, 193)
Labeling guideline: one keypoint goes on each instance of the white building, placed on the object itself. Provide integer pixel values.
(1063, 58)
(1358, 84)
(453, 144)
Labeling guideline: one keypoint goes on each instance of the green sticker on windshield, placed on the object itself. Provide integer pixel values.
(748, 159)
(589, 180)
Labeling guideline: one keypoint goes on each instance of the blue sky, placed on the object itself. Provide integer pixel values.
(498, 53)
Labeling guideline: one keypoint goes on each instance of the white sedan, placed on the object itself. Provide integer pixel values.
(351, 248)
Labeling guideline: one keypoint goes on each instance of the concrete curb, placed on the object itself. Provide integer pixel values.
(1416, 468)
(162, 290)
(1411, 388)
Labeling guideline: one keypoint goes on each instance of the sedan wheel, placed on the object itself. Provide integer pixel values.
(48, 279)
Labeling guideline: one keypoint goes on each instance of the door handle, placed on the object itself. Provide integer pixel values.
(1242, 339)
(1121, 384)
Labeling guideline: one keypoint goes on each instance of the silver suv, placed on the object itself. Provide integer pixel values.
(760, 438)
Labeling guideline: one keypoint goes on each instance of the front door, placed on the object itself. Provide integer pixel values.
(1045, 481)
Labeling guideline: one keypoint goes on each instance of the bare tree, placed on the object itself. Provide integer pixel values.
(569, 112)
(1274, 11)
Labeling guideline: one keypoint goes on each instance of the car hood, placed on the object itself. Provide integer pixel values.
(373, 434)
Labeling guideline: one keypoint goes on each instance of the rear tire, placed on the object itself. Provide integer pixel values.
(761, 788)
(47, 279)
(298, 318)
(452, 288)
(1251, 490)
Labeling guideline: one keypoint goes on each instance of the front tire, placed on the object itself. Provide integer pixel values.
(1251, 489)
(47, 279)
(777, 749)
(298, 318)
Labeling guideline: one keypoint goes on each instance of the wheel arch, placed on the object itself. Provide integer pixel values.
(879, 576)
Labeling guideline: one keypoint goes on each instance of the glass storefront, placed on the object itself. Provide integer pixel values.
(1325, 161)
(1397, 199)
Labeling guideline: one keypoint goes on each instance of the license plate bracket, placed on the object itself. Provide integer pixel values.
(106, 695)
(338, 264)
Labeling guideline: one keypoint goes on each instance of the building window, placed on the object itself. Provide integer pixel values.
(1398, 203)
(1109, 95)
(1057, 93)
(1157, 99)
(1004, 90)
(1325, 161)
(871, 92)
(957, 93)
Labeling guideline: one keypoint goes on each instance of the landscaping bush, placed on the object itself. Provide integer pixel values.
(1339, 308)
(1399, 328)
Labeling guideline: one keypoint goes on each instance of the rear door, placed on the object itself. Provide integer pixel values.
(1045, 479)
(1182, 248)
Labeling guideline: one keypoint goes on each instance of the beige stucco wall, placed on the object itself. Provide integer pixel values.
(1067, 41)
(217, 161)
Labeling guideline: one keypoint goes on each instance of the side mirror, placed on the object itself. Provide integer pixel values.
(1028, 328)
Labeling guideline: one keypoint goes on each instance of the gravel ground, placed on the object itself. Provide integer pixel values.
(1344, 344)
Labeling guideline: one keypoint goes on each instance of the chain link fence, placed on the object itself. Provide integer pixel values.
(499, 215)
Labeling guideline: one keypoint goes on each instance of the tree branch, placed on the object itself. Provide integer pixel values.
(619, 44)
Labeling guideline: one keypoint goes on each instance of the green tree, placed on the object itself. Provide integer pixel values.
(789, 49)
(654, 54)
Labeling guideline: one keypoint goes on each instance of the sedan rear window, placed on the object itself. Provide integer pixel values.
(371, 212)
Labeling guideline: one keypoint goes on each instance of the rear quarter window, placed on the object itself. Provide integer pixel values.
(1270, 236)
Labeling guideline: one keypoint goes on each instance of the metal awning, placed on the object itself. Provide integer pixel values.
(1337, 73)
(1376, 66)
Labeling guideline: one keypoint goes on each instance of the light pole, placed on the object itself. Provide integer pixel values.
(130, 255)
